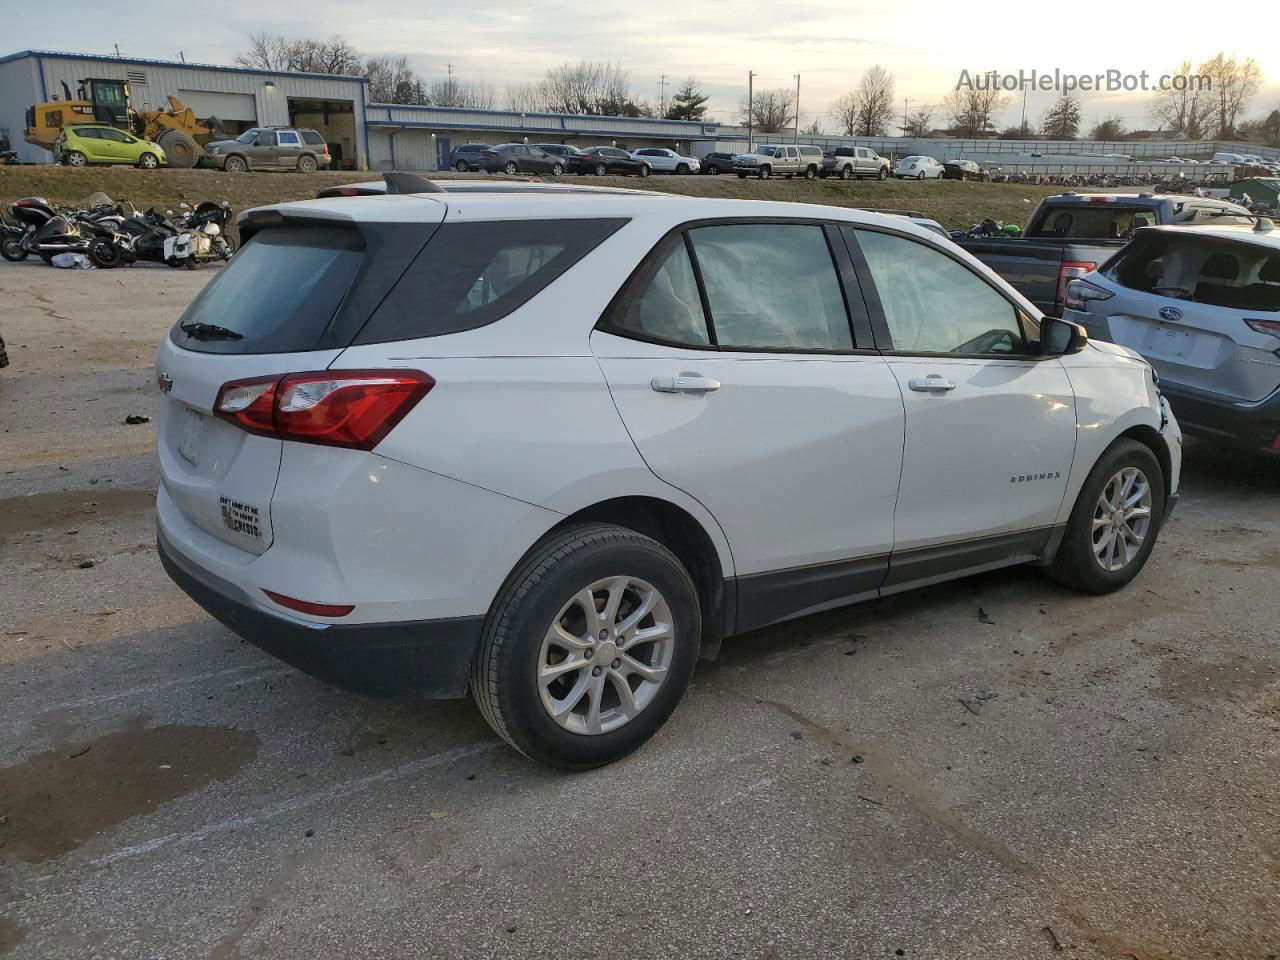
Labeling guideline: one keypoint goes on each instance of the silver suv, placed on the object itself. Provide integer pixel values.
(781, 160)
(1202, 306)
(269, 148)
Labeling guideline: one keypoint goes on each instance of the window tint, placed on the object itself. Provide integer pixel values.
(471, 274)
(1093, 221)
(313, 138)
(933, 304)
(267, 138)
(279, 291)
(88, 133)
(772, 285)
(288, 138)
(667, 306)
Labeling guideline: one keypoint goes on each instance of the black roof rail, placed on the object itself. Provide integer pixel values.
(398, 181)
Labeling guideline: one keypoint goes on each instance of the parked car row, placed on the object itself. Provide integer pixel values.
(561, 158)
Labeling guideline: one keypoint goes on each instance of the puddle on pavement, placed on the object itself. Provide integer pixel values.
(57, 800)
(67, 507)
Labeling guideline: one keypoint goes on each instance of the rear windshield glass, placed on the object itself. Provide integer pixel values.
(471, 274)
(1092, 221)
(279, 292)
(1210, 270)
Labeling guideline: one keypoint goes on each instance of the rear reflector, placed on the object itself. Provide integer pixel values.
(306, 606)
(337, 408)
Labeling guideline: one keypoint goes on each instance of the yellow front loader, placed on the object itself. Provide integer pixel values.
(176, 129)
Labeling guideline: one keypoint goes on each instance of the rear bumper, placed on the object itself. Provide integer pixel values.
(430, 659)
(1255, 425)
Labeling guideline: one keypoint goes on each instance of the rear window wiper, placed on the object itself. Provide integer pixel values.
(198, 330)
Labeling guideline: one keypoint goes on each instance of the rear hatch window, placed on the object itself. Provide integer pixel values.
(1216, 271)
(1099, 221)
(277, 295)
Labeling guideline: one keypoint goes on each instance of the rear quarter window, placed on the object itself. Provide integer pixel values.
(310, 136)
(472, 274)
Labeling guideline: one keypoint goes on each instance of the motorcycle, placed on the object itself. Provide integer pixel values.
(200, 237)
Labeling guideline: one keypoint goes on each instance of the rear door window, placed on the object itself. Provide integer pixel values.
(278, 293)
(471, 274)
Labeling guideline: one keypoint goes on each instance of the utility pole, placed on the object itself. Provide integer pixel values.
(1022, 127)
(905, 101)
(662, 93)
(796, 139)
(117, 46)
(751, 75)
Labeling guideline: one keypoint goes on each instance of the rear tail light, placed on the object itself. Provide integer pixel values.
(306, 606)
(355, 409)
(1071, 270)
(1271, 327)
(1080, 292)
(326, 149)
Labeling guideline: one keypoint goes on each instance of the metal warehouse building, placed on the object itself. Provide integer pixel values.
(239, 97)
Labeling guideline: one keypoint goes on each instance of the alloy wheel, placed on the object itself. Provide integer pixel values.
(1121, 519)
(606, 655)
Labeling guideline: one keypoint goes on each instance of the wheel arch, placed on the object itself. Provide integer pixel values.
(685, 536)
(240, 156)
(1151, 438)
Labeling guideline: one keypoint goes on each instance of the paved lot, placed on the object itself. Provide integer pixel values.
(898, 779)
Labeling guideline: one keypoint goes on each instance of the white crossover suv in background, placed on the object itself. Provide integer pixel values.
(552, 446)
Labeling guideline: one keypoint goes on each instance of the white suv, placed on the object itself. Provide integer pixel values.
(551, 447)
(662, 160)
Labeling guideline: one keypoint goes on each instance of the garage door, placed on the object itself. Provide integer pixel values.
(224, 106)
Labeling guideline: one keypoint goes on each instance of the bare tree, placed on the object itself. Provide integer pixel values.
(919, 123)
(276, 52)
(391, 80)
(770, 111)
(1062, 120)
(267, 51)
(971, 111)
(1111, 128)
(523, 97)
(874, 97)
(1234, 83)
(814, 129)
(587, 87)
(844, 111)
(1180, 110)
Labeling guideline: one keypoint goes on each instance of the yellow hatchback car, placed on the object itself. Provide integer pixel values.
(83, 144)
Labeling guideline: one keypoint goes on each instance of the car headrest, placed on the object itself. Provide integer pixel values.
(1221, 266)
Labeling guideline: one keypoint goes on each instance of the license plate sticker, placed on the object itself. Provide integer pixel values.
(189, 440)
(242, 518)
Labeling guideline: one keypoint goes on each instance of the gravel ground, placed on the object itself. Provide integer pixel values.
(1084, 777)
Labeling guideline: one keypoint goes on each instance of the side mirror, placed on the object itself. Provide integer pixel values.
(1060, 337)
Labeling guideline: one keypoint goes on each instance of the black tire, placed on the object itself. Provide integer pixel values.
(682, 169)
(811, 173)
(11, 249)
(742, 176)
(645, 170)
(461, 166)
(920, 175)
(235, 165)
(75, 158)
(557, 169)
(510, 168)
(883, 174)
(47, 258)
(846, 173)
(179, 149)
(503, 678)
(148, 161)
(1076, 566)
(306, 164)
(104, 254)
(763, 173)
(600, 170)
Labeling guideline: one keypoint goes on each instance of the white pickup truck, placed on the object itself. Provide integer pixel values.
(781, 160)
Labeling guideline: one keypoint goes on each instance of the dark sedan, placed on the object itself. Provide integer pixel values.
(520, 158)
(466, 157)
(717, 163)
(561, 150)
(962, 170)
(602, 160)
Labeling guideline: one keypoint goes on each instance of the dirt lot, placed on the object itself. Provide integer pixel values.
(1093, 778)
(952, 203)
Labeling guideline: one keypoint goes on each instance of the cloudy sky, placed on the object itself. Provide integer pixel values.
(829, 42)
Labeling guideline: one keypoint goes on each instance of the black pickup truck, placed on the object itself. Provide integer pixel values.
(1068, 235)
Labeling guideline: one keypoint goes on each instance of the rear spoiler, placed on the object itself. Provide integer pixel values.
(397, 181)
